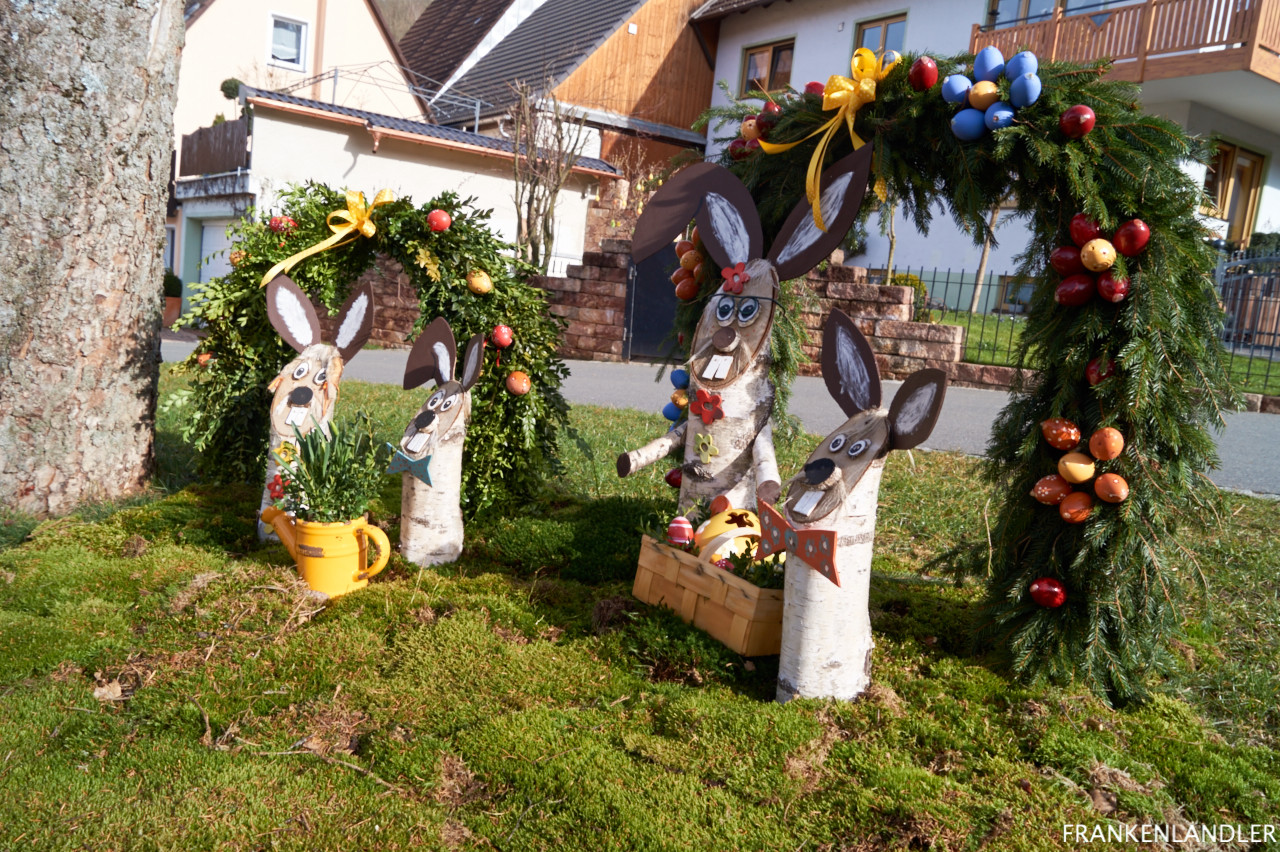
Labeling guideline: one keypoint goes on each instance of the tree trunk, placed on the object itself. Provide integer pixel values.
(86, 125)
(431, 515)
(982, 262)
(826, 629)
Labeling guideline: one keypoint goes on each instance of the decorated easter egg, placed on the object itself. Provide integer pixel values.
(1076, 468)
(680, 531)
(729, 532)
(988, 65)
(1065, 260)
(687, 290)
(1076, 507)
(675, 478)
(1111, 488)
(1048, 592)
(923, 74)
(1074, 290)
(955, 88)
(1051, 490)
(1076, 121)
(502, 336)
(690, 259)
(983, 94)
(1084, 229)
(998, 115)
(1106, 444)
(1025, 90)
(1097, 370)
(518, 383)
(1131, 237)
(671, 411)
(680, 397)
(479, 282)
(1113, 287)
(1061, 433)
(968, 125)
(1097, 255)
(680, 378)
(439, 220)
(1021, 64)
(749, 129)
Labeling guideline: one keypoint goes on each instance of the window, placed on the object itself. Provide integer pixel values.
(1005, 13)
(768, 67)
(883, 34)
(1231, 184)
(170, 240)
(288, 43)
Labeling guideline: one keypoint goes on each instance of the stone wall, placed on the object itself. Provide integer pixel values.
(592, 297)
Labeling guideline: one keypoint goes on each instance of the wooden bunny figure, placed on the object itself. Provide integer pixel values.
(728, 439)
(307, 387)
(430, 452)
(827, 525)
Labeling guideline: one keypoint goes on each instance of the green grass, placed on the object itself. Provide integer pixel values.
(476, 705)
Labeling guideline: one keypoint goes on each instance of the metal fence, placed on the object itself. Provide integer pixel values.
(1249, 289)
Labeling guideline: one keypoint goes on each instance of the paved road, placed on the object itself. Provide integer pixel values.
(1248, 446)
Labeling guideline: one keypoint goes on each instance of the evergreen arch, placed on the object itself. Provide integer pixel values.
(1121, 568)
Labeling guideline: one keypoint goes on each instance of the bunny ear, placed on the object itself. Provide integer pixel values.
(727, 218)
(849, 365)
(355, 322)
(432, 356)
(472, 361)
(291, 313)
(800, 246)
(915, 408)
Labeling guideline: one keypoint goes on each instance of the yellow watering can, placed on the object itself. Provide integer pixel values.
(332, 558)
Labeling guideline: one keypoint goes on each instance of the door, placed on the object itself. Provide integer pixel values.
(651, 306)
(215, 248)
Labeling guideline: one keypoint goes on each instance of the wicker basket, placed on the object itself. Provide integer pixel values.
(745, 617)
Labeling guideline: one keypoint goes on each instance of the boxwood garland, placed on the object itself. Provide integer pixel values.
(510, 447)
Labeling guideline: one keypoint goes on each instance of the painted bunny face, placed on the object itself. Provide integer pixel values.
(433, 358)
(734, 326)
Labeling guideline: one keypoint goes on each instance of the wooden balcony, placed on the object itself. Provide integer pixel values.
(1155, 40)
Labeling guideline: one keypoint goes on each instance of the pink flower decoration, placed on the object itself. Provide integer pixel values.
(734, 277)
(707, 406)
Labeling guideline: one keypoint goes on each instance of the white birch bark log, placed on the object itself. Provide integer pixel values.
(826, 629)
(657, 449)
(431, 515)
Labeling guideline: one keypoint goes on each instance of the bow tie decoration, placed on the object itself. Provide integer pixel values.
(816, 548)
(400, 463)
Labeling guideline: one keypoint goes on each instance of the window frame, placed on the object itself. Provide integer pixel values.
(744, 85)
(882, 21)
(1219, 206)
(303, 53)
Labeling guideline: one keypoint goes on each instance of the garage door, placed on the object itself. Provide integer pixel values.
(215, 248)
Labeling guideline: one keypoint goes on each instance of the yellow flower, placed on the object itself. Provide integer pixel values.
(428, 261)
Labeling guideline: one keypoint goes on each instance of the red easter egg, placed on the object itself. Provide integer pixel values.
(438, 220)
(1111, 287)
(1095, 371)
(1106, 444)
(674, 477)
(1075, 290)
(502, 336)
(1048, 592)
(813, 87)
(1131, 237)
(1065, 260)
(1076, 121)
(719, 503)
(1084, 229)
(738, 149)
(680, 531)
(923, 74)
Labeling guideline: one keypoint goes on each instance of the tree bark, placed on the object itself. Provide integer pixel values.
(982, 262)
(86, 126)
(431, 515)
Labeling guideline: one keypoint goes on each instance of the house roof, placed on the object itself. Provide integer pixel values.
(446, 137)
(445, 33)
(713, 9)
(544, 49)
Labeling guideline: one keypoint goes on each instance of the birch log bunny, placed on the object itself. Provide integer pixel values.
(728, 438)
(306, 388)
(827, 525)
(430, 451)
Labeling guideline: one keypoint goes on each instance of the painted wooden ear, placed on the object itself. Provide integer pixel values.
(291, 313)
(432, 356)
(727, 218)
(915, 408)
(800, 246)
(472, 361)
(849, 365)
(355, 323)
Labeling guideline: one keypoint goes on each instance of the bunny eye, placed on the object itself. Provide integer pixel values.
(858, 448)
(321, 377)
(301, 370)
(434, 402)
(448, 403)
(748, 311)
(836, 443)
(724, 309)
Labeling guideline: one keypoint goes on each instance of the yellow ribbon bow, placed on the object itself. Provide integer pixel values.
(846, 95)
(355, 221)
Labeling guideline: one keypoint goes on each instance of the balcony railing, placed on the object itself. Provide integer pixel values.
(1156, 40)
(213, 150)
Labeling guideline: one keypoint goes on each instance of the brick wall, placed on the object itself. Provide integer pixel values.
(395, 305)
(592, 297)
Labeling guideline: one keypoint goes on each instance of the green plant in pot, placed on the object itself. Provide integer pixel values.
(172, 297)
(327, 481)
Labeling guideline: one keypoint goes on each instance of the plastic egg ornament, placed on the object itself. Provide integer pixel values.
(998, 115)
(1025, 90)
(988, 65)
(1076, 468)
(680, 531)
(955, 88)
(968, 125)
(1021, 64)
(983, 95)
(1061, 433)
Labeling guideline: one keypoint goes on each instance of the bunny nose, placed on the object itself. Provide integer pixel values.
(423, 420)
(818, 471)
(300, 396)
(726, 339)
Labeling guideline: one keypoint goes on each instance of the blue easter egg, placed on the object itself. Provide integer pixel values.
(671, 411)
(998, 115)
(969, 124)
(1024, 91)
(955, 89)
(988, 64)
(680, 378)
(1022, 63)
